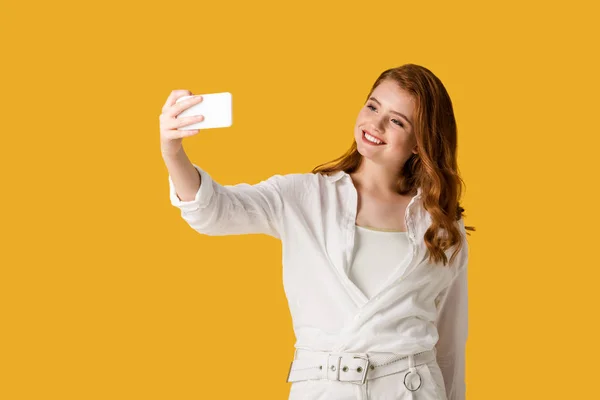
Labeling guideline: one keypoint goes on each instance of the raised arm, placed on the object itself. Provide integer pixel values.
(214, 209)
(207, 206)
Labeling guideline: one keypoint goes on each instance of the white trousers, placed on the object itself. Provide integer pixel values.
(359, 376)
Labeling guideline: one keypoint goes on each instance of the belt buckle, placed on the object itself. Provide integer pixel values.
(364, 376)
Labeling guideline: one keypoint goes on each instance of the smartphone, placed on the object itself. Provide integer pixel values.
(215, 107)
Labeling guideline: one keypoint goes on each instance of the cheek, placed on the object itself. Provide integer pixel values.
(401, 142)
(362, 115)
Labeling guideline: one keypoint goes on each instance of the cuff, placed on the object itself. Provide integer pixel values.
(202, 197)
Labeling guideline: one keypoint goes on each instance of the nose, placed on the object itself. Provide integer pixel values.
(379, 123)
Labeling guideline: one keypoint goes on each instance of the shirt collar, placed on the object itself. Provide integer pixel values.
(335, 176)
(340, 174)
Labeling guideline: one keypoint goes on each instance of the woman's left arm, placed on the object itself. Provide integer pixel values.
(453, 331)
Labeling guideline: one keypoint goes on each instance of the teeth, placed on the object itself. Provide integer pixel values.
(372, 139)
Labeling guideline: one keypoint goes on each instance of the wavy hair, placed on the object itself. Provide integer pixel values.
(434, 168)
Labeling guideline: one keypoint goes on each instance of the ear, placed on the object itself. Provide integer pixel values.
(415, 150)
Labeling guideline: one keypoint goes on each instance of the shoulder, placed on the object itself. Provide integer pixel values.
(306, 188)
(304, 179)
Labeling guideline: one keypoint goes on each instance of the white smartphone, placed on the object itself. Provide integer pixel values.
(215, 107)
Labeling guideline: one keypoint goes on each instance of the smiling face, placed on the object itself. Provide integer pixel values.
(380, 116)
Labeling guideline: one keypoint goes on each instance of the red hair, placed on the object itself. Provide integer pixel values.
(434, 168)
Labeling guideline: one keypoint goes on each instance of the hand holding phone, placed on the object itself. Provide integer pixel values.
(216, 108)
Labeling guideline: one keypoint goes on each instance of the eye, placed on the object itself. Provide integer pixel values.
(396, 121)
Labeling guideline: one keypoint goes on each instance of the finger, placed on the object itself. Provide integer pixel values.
(181, 122)
(175, 94)
(181, 133)
(176, 109)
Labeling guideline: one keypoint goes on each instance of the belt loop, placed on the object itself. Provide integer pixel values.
(333, 367)
(412, 370)
(411, 363)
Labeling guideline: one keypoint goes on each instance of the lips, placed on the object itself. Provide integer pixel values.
(376, 137)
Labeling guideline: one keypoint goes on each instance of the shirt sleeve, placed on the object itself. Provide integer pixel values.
(453, 331)
(219, 210)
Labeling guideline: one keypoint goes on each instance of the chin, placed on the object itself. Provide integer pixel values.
(361, 151)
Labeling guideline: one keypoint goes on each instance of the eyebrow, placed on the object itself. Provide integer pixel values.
(394, 112)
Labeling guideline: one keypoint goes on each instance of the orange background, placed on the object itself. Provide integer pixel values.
(106, 293)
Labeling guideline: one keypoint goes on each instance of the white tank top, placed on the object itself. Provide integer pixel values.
(377, 254)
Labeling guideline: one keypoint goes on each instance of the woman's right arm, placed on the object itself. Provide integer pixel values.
(218, 210)
(206, 205)
(185, 178)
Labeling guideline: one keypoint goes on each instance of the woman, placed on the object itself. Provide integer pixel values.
(374, 244)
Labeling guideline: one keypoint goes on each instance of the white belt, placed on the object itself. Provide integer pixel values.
(356, 367)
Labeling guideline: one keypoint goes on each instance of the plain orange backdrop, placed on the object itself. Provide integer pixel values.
(106, 293)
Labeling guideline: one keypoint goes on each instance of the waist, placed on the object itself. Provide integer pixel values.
(352, 367)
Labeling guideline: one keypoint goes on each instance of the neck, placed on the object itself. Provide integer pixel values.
(376, 178)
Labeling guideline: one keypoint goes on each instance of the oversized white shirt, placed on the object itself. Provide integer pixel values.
(420, 305)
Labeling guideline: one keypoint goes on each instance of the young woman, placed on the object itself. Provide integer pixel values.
(374, 244)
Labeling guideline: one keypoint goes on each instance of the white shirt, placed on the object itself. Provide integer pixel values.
(419, 306)
(377, 253)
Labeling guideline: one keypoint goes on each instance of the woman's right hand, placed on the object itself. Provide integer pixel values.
(171, 138)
